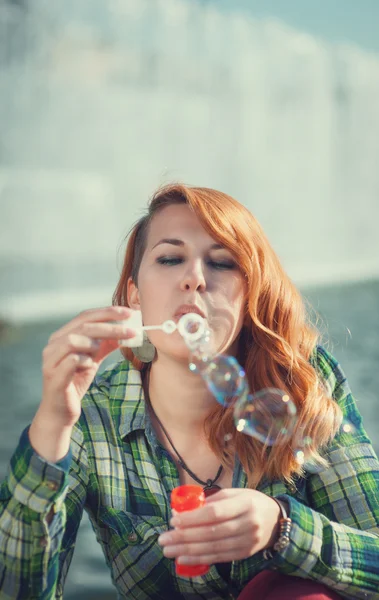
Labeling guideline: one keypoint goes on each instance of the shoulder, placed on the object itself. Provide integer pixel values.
(329, 370)
(337, 387)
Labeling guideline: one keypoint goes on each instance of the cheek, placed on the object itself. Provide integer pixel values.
(158, 281)
(154, 294)
(234, 293)
(234, 300)
(227, 317)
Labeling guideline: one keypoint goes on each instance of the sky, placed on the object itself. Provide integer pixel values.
(354, 21)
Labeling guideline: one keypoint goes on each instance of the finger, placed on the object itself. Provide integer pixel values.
(229, 546)
(71, 344)
(209, 533)
(67, 368)
(95, 349)
(105, 348)
(87, 341)
(111, 331)
(212, 513)
(92, 315)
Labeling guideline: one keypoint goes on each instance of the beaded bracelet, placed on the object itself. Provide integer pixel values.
(283, 540)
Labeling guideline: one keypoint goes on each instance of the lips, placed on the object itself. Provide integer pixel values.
(188, 308)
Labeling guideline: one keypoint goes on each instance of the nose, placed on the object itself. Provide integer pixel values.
(194, 278)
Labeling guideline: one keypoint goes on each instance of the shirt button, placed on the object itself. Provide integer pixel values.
(52, 485)
(132, 537)
(43, 542)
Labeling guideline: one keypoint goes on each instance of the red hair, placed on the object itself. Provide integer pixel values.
(276, 342)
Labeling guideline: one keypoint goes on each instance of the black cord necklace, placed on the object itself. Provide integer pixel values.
(209, 486)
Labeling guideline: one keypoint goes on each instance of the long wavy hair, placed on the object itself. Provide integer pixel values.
(275, 345)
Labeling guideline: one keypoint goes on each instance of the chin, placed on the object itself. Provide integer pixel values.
(176, 350)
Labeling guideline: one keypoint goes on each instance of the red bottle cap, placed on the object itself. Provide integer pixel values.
(183, 498)
(187, 497)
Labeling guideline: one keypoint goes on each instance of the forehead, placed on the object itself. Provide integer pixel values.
(176, 220)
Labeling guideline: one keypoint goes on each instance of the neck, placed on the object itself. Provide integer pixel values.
(179, 397)
(180, 402)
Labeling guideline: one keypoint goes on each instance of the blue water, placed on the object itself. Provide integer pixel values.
(349, 315)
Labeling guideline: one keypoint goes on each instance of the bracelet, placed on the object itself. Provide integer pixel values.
(283, 540)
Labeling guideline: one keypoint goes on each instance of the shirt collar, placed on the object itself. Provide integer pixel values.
(134, 415)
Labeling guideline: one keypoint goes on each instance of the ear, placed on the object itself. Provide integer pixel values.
(132, 295)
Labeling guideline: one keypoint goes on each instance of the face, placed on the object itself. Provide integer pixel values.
(183, 265)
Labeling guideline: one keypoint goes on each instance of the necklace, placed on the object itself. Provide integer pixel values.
(209, 486)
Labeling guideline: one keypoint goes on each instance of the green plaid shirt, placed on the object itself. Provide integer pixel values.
(119, 473)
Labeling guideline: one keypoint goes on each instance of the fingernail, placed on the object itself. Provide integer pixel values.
(84, 358)
(183, 560)
(175, 522)
(130, 332)
(123, 310)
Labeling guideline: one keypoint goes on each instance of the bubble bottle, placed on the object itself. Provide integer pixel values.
(183, 498)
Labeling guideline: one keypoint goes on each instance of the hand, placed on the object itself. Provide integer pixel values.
(73, 356)
(234, 524)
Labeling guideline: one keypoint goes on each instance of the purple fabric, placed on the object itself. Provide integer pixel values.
(269, 585)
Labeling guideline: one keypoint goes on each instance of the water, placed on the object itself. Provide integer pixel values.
(96, 111)
(350, 312)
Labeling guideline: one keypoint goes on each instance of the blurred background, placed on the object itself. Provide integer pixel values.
(101, 102)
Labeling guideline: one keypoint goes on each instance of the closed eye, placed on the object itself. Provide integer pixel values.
(213, 264)
(222, 265)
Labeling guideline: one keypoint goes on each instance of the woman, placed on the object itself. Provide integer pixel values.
(118, 443)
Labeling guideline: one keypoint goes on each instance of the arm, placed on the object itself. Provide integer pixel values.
(38, 524)
(335, 540)
(41, 505)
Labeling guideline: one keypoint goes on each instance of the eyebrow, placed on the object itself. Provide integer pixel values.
(176, 242)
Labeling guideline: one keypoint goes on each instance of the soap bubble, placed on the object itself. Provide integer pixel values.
(299, 456)
(347, 427)
(309, 465)
(200, 352)
(307, 441)
(301, 442)
(198, 361)
(304, 458)
(197, 338)
(225, 378)
(268, 415)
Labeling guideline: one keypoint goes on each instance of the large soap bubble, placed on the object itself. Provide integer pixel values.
(225, 378)
(269, 416)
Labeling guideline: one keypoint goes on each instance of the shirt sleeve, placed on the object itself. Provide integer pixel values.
(335, 538)
(34, 553)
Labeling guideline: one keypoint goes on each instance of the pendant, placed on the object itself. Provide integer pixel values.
(211, 489)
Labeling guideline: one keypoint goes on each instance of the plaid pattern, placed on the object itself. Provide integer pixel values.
(118, 472)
